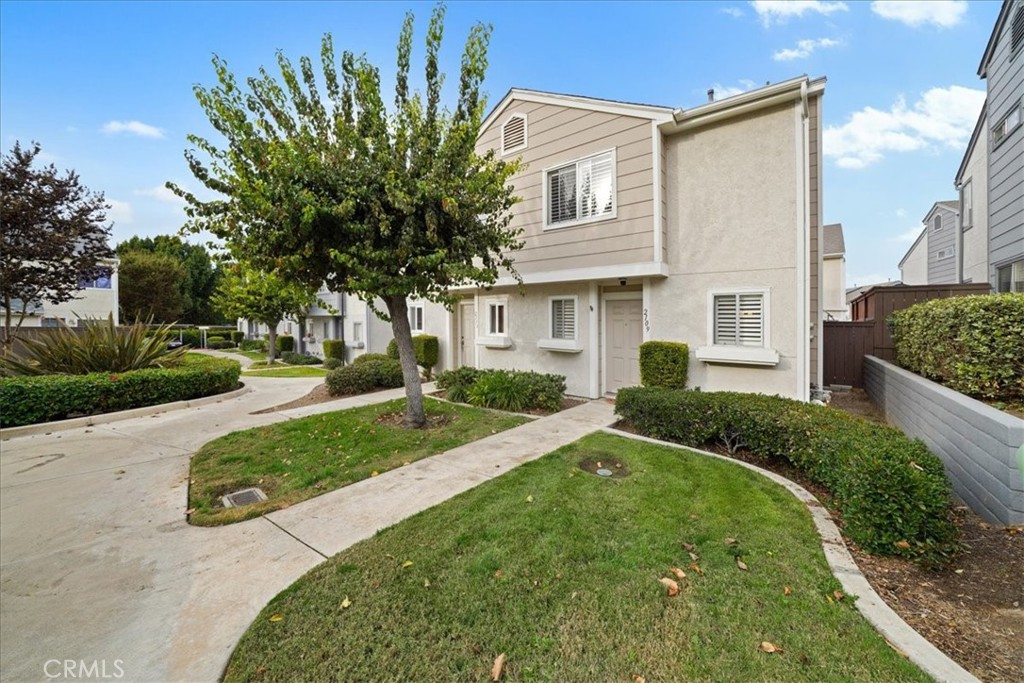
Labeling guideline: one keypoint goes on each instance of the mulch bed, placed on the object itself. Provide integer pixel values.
(973, 610)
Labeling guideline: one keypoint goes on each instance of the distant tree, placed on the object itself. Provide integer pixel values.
(267, 298)
(202, 273)
(335, 189)
(52, 234)
(149, 286)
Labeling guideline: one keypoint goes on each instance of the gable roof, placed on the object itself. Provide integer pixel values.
(993, 40)
(948, 205)
(832, 239)
(975, 136)
(644, 111)
(920, 236)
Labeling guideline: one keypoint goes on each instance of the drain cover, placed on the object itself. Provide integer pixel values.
(243, 497)
(604, 473)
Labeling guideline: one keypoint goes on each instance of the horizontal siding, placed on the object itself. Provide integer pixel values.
(558, 135)
(943, 271)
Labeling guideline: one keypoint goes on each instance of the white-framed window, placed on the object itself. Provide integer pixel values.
(100, 279)
(497, 318)
(325, 331)
(513, 134)
(357, 332)
(937, 224)
(416, 317)
(967, 205)
(580, 191)
(739, 318)
(1010, 278)
(943, 254)
(563, 317)
(1006, 125)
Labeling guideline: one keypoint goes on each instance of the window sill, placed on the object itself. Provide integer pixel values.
(495, 341)
(581, 221)
(738, 355)
(560, 345)
(356, 345)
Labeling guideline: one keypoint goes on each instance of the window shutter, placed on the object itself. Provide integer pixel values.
(513, 134)
(725, 319)
(1017, 31)
(563, 319)
(751, 320)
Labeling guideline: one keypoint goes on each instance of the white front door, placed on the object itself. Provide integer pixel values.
(467, 334)
(623, 335)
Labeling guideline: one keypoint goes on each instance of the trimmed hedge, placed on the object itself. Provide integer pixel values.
(971, 344)
(333, 363)
(236, 336)
(252, 345)
(664, 364)
(334, 348)
(220, 344)
(285, 342)
(513, 390)
(42, 398)
(293, 358)
(369, 357)
(192, 337)
(427, 350)
(377, 372)
(893, 493)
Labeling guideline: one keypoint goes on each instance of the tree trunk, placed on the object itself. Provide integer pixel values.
(271, 342)
(301, 346)
(7, 341)
(398, 309)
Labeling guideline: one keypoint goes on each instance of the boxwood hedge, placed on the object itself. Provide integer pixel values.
(664, 364)
(42, 398)
(893, 493)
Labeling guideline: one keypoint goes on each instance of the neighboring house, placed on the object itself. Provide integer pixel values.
(932, 258)
(647, 222)
(97, 298)
(972, 184)
(834, 273)
(1002, 67)
(914, 264)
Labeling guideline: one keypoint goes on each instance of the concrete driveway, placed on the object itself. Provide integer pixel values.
(98, 566)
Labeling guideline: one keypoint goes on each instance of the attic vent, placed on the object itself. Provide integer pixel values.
(1017, 30)
(513, 134)
(243, 497)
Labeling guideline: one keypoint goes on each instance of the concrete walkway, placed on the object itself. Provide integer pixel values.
(98, 563)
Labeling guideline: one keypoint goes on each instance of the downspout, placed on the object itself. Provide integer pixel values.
(803, 250)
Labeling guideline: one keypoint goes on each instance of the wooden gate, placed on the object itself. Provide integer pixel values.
(845, 345)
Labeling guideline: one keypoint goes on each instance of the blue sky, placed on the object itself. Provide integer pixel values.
(106, 88)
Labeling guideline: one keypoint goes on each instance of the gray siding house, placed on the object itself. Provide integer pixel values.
(1002, 67)
(941, 224)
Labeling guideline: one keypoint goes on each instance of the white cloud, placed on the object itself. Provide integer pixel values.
(778, 11)
(723, 91)
(942, 116)
(733, 11)
(803, 49)
(134, 127)
(914, 13)
(161, 194)
(901, 213)
(119, 212)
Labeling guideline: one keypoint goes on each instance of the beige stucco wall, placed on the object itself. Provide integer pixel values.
(975, 238)
(89, 303)
(733, 213)
(557, 135)
(914, 270)
(834, 289)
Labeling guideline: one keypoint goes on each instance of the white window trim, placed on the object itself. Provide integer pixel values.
(1001, 124)
(573, 345)
(526, 134)
(417, 330)
(943, 254)
(937, 224)
(967, 212)
(545, 186)
(493, 340)
(739, 355)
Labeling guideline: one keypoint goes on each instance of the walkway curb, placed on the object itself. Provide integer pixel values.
(886, 621)
(104, 418)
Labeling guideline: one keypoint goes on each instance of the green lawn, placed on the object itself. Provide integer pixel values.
(559, 569)
(254, 355)
(299, 459)
(287, 371)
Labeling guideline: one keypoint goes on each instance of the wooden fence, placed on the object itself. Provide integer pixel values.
(845, 345)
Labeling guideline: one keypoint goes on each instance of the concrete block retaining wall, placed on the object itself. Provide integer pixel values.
(982, 448)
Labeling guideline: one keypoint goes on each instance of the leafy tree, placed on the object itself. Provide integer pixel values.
(267, 298)
(335, 189)
(53, 233)
(201, 274)
(150, 286)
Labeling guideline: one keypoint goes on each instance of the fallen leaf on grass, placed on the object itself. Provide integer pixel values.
(192, 511)
(695, 567)
(903, 545)
(529, 499)
(406, 564)
(637, 678)
(346, 603)
(679, 573)
(498, 573)
(837, 595)
(786, 590)
(375, 473)
(499, 665)
(770, 648)
(426, 583)
(276, 617)
(731, 541)
(741, 564)
(689, 546)
(694, 556)
(672, 586)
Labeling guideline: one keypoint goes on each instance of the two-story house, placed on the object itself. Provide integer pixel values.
(932, 258)
(833, 273)
(1002, 67)
(972, 184)
(97, 298)
(646, 222)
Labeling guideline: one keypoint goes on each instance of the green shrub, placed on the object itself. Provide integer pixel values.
(333, 363)
(351, 379)
(220, 344)
(101, 346)
(214, 338)
(334, 348)
(499, 389)
(385, 372)
(456, 383)
(252, 345)
(285, 342)
(369, 357)
(293, 358)
(42, 398)
(191, 336)
(425, 347)
(664, 364)
(890, 488)
(392, 350)
(972, 344)
(236, 336)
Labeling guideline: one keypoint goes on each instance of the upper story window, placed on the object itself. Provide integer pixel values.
(563, 318)
(739, 319)
(581, 191)
(937, 224)
(513, 134)
(967, 205)
(1006, 125)
(100, 279)
(416, 317)
(943, 254)
(1010, 278)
